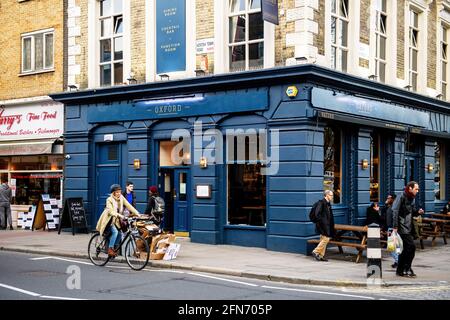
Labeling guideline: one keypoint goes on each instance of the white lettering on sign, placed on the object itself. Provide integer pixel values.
(36, 121)
(168, 109)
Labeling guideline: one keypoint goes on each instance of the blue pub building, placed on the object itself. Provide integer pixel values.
(240, 158)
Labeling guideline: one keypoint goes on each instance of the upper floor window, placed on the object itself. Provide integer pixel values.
(413, 48)
(339, 34)
(111, 42)
(381, 39)
(444, 63)
(246, 35)
(332, 175)
(37, 51)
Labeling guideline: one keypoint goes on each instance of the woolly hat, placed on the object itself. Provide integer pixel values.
(115, 187)
(153, 189)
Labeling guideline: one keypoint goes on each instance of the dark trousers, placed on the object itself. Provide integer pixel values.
(406, 257)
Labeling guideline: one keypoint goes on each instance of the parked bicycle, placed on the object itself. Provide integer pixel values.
(137, 252)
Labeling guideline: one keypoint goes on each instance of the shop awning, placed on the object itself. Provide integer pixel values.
(30, 147)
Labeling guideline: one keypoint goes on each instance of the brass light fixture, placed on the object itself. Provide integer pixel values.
(203, 162)
(364, 164)
(430, 167)
(137, 164)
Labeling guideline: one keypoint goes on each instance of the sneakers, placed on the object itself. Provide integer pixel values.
(411, 273)
(316, 256)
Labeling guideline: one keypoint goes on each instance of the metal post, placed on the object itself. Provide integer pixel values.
(374, 274)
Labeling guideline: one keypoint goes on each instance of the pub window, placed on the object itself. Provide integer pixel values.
(37, 51)
(439, 171)
(246, 183)
(111, 42)
(413, 48)
(246, 35)
(332, 163)
(381, 39)
(374, 167)
(339, 34)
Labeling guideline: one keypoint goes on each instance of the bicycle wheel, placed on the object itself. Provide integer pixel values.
(137, 252)
(98, 250)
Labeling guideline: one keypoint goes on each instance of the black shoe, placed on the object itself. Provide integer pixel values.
(11, 228)
(316, 256)
(402, 274)
(411, 273)
(323, 259)
(395, 265)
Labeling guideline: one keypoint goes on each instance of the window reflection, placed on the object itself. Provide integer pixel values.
(374, 167)
(332, 162)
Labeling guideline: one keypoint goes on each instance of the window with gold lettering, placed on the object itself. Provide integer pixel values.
(111, 42)
(332, 169)
(246, 35)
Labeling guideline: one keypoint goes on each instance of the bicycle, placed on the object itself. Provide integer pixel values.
(137, 252)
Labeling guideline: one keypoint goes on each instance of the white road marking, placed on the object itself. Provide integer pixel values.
(217, 278)
(60, 298)
(320, 292)
(30, 293)
(63, 259)
(34, 294)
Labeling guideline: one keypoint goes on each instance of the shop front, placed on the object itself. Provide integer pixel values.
(31, 151)
(241, 158)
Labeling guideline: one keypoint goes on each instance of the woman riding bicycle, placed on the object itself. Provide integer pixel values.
(115, 204)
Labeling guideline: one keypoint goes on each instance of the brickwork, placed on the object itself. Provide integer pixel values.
(319, 38)
(401, 39)
(82, 41)
(205, 30)
(364, 32)
(138, 55)
(24, 17)
(283, 52)
(431, 50)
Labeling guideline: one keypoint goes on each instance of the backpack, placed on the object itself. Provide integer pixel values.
(159, 205)
(312, 214)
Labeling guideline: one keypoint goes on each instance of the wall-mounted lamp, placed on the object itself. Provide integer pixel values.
(203, 162)
(131, 79)
(373, 77)
(430, 167)
(364, 164)
(439, 96)
(72, 87)
(164, 77)
(137, 164)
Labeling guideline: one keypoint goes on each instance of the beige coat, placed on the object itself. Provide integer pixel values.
(111, 213)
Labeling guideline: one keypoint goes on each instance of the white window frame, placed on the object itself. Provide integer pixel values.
(380, 33)
(221, 25)
(94, 42)
(32, 35)
(443, 27)
(338, 46)
(413, 46)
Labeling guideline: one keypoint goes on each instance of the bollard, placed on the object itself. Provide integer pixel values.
(374, 274)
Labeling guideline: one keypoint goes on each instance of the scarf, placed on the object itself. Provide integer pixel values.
(409, 194)
(118, 204)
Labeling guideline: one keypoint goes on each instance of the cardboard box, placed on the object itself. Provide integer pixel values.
(160, 244)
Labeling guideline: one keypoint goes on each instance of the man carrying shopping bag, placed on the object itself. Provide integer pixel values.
(403, 211)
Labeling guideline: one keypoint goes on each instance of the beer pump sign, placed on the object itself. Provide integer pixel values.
(38, 121)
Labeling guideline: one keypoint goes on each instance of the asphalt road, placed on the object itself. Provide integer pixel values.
(27, 276)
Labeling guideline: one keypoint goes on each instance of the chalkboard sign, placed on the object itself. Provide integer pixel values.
(73, 215)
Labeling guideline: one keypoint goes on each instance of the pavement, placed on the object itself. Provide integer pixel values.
(430, 264)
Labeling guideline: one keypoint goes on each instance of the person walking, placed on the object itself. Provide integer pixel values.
(155, 206)
(5, 206)
(129, 194)
(110, 218)
(324, 224)
(403, 211)
(387, 213)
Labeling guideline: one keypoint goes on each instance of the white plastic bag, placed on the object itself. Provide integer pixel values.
(395, 243)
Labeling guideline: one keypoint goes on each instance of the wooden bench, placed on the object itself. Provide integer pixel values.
(357, 240)
(432, 227)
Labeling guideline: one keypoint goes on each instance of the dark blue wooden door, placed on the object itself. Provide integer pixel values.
(181, 192)
(107, 173)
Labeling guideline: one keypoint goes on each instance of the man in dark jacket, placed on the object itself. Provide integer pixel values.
(325, 225)
(403, 211)
(128, 194)
(5, 205)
